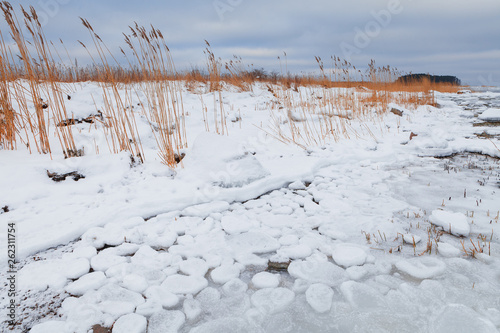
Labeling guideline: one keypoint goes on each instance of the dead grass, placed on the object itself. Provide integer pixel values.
(303, 114)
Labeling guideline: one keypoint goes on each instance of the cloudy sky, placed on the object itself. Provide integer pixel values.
(457, 37)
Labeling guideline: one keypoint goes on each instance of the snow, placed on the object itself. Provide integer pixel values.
(320, 297)
(182, 284)
(492, 115)
(130, 323)
(91, 281)
(225, 273)
(166, 321)
(317, 271)
(272, 300)
(347, 255)
(265, 280)
(374, 232)
(455, 223)
(422, 268)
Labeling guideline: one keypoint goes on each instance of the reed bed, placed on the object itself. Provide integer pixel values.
(310, 109)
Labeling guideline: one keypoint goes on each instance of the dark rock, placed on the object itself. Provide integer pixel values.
(100, 329)
(179, 157)
(397, 112)
(60, 177)
(278, 266)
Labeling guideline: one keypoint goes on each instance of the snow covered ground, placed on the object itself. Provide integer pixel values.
(392, 231)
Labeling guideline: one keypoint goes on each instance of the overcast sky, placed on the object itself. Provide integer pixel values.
(456, 37)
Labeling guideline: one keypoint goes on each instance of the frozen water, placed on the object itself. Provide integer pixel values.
(422, 267)
(166, 298)
(91, 281)
(194, 266)
(265, 280)
(166, 321)
(320, 297)
(182, 284)
(455, 223)
(272, 300)
(254, 242)
(316, 271)
(347, 255)
(130, 323)
(225, 273)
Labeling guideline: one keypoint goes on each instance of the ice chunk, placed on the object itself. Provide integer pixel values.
(102, 261)
(254, 242)
(447, 250)
(166, 321)
(492, 115)
(316, 271)
(362, 296)
(146, 256)
(460, 318)
(164, 297)
(410, 239)
(149, 308)
(299, 251)
(224, 325)
(54, 273)
(116, 308)
(91, 281)
(225, 272)
(320, 297)
(236, 224)
(265, 280)
(84, 252)
(455, 223)
(422, 267)
(272, 300)
(182, 284)
(208, 297)
(130, 323)
(288, 240)
(194, 266)
(112, 292)
(234, 287)
(348, 255)
(135, 283)
(192, 308)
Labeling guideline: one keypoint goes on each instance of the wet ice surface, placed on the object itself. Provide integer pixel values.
(401, 242)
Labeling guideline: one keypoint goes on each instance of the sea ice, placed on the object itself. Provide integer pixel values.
(316, 271)
(347, 255)
(492, 115)
(422, 267)
(130, 323)
(164, 297)
(182, 284)
(225, 272)
(254, 242)
(447, 250)
(265, 280)
(272, 300)
(194, 266)
(455, 223)
(90, 281)
(320, 297)
(166, 321)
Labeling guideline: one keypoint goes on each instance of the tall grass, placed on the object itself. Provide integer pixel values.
(312, 108)
(164, 97)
